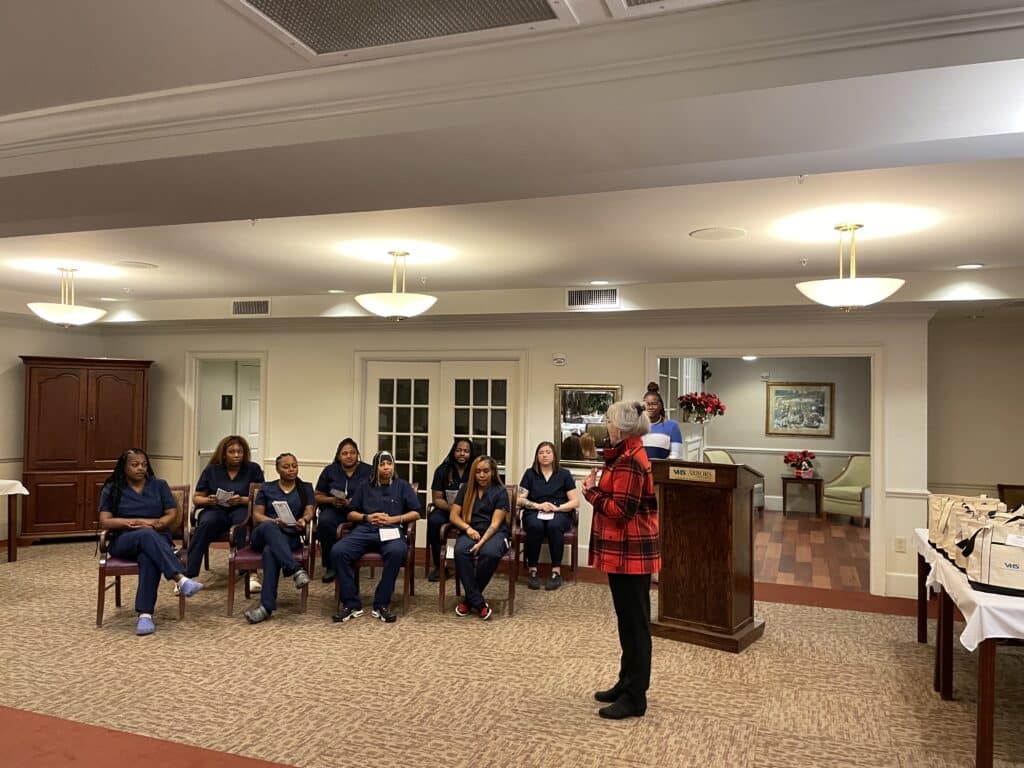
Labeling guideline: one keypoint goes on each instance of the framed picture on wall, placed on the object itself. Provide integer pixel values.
(581, 423)
(799, 408)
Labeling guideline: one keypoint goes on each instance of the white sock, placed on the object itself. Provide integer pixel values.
(145, 615)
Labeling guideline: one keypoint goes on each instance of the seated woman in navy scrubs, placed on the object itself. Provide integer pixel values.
(230, 471)
(380, 511)
(479, 513)
(547, 497)
(448, 478)
(139, 509)
(335, 488)
(276, 540)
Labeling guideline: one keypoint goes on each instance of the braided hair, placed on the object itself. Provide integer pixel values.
(117, 480)
(299, 484)
(449, 462)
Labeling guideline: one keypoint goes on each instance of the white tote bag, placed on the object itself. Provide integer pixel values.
(995, 557)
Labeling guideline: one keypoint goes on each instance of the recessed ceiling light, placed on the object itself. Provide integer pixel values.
(599, 282)
(335, 290)
(750, 358)
(718, 233)
(128, 264)
(108, 298)
(969, 266)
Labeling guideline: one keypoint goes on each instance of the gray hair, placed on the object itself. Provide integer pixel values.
(629, 417)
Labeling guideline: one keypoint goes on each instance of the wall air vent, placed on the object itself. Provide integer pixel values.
(592, 298)
(250, 307)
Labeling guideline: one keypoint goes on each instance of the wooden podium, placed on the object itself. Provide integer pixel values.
(706, 585)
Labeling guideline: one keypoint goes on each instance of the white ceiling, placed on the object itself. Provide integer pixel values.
(534, 174)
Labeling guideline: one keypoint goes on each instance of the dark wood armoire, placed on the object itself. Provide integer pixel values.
(80, 415)
(706, 584)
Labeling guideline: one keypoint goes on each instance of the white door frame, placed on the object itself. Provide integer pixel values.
(189, 469)
(877, 357)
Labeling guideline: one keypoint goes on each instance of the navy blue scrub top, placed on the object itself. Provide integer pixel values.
(333, 478)
(556, 490)
(395, 499)
(216, 476)
(154, 500)
(441, 483)
(495, 497)
(272, 492)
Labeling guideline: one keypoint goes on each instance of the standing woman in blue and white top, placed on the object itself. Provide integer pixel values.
(547, 496)
(665, 440)
(479, 513)
(277, 540)
(335, 489)
(139, 510)
(221, 497)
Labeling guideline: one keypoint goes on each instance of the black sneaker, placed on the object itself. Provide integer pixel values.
(532, 581)
(344, 614)
(554, 582)
(433, 575)
(328, 576)
(384, 615)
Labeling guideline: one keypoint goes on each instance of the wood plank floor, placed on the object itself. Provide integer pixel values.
(806, 551)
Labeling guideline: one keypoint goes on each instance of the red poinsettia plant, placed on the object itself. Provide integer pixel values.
(700, 406)
(799, 459)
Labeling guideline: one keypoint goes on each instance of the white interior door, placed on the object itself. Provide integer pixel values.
(247, 406)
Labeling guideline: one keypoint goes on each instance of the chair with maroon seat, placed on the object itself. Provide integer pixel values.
(245, 558)
(509, 563)
(116, 567)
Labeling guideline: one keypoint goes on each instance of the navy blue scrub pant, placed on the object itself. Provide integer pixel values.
(631, 595)
(539, 530)
(327, 521)
(476, 575)
(153, 552)
(347, 552)
(435, 521)
(213, 523)
(277, 545)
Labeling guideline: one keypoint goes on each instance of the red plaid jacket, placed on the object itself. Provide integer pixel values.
(624, 531)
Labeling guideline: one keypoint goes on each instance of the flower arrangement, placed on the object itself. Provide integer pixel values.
(700, 407)
(800, 461)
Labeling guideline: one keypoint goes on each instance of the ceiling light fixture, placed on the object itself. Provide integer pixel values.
(397, 304)
(67, 313)
(750, 358)
(599, 282)
(970, 266)
(852, 291)
(335, 290)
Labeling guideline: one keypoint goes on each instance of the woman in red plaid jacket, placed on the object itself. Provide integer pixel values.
(624, 544)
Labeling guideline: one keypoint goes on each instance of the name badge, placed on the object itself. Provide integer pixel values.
(390, 534)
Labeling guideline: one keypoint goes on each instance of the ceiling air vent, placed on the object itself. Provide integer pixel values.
(592, 298)
(250, 307)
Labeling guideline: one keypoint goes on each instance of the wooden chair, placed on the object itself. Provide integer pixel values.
(245, 558)
(373, 560)
(190, 525)
(571, 538)
(509, 563)
(1011, 495)
(116, 567)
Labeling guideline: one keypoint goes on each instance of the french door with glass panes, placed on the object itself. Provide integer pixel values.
(416, 409)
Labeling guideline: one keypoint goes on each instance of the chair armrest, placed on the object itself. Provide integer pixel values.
(103, 544)
(344, 529)
(232, 533)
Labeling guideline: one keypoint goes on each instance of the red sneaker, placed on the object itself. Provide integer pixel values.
(462, 609)
(485, 612)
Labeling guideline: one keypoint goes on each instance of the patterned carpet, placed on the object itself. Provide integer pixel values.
(821, 688)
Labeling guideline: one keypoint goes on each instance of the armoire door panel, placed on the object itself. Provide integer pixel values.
(55, 427)
(90, 510)
(116, 417)
(54, 504)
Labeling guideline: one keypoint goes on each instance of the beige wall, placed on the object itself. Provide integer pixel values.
(741, 386)
(29, 337)
(976, 404)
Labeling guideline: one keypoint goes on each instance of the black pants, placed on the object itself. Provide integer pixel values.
(435, 521)
(632, 598)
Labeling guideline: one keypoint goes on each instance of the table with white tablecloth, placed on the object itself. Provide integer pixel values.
(12, 489)
(989, 617)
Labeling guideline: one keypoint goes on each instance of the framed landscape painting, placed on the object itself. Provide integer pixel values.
(799, 408)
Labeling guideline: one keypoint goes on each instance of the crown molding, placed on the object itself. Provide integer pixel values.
(726, 48)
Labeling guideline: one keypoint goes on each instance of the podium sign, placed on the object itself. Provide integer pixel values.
(706, 584)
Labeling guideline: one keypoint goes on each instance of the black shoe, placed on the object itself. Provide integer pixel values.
(328, 576)
(344, 614)
(433, 575)
(607, 697)
(532, 581)
(621, 709)
(554, 582)
(384, 615)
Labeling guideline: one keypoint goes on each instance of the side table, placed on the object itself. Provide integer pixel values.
(819, 488)
(12, 489)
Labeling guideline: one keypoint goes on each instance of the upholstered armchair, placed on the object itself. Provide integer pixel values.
(844, 494)
(716, 456)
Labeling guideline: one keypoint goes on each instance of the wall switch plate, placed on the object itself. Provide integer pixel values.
(900, 544)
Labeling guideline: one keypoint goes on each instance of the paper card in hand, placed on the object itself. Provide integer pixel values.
(284, 512)
(338, 493)
(223, 496)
